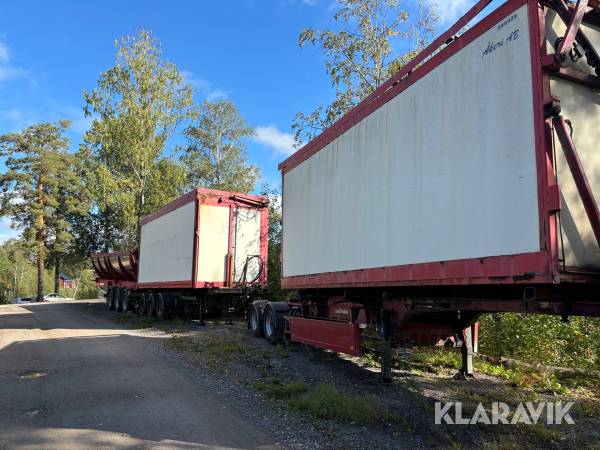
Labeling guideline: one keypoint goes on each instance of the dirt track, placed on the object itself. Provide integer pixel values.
(69, 379)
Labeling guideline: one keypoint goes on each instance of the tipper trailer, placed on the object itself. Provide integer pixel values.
(467, 183)
(197, 254)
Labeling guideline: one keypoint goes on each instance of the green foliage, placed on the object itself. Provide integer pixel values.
(136, 107)
(276, 389)
(541, 338)
(34, 187)
(536, 380)
(326, 402)
(216, 156)
(362, 53)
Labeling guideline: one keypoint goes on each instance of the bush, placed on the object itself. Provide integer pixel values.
(541, 338)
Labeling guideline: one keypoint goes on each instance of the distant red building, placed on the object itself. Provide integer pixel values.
(65, 282)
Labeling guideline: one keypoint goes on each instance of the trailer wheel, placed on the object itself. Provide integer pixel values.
(142, 305)
(162, 308)
(119, 300)
(108, 294)
(125, 300)
(150, 305)
(255, 315)
(111, 298)
(274, 321)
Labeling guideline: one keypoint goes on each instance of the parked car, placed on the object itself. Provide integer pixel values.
(20, 300)
(55, 296)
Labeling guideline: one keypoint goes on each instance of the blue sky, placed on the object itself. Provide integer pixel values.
(243, 50)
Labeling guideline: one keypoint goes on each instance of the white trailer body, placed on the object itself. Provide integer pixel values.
(442, 181)
(204, 239)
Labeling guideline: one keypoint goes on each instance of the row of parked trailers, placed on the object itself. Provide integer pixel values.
(467, 183)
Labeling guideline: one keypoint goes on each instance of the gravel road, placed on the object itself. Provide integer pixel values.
(69, 379)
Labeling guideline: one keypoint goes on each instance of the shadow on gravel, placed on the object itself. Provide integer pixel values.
(99, 386)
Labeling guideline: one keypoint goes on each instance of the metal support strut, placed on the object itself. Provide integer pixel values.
(581, 181)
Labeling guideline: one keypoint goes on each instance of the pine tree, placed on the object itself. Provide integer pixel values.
(36, 161)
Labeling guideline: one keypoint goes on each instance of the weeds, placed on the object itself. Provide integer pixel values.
(277, 390)
(326, 402)
(214, 351)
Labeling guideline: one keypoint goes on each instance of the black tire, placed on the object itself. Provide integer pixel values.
(142, 305)
(255, 317)
(124, 300)
(119, 300)
(150, 305)
(107, 297)
(160, 306)
(112, 297)
(274, 321)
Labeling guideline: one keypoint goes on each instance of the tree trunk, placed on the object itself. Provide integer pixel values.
(57, 273)
(40, 237)
(40, 269)
(141, 205)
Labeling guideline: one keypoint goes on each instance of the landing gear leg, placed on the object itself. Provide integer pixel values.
(385, 349)
(201, 312)
(466, 350)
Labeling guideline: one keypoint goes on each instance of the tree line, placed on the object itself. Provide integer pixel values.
(67, 204)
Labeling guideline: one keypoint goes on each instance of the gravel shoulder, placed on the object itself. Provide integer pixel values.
(270, 389)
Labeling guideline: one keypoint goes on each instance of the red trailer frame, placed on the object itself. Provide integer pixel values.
(528, 268)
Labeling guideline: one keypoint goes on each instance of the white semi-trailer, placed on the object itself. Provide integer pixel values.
(466, 183)
(200, 251)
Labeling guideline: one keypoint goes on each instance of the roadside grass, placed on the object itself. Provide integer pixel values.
(142, 322)
(215, 351)
(276, 389)
(326, 402)
(138, 322)
(538, 380)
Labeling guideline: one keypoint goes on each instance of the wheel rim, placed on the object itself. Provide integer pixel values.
(269, 325)
(254, 320)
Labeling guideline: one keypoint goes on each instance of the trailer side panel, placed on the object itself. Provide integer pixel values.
(445, 170)
(166, 248)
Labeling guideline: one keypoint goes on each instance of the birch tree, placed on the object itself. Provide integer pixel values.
(375, 39)
(216, 154)
(137, 106)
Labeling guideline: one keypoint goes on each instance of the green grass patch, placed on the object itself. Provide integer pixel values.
(138, 322)
(326, 402)
(218, 351)
(536, 380)
(276, 389)
(214, 351)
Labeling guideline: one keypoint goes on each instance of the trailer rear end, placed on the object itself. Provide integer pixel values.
(197, 254)
(466, 183)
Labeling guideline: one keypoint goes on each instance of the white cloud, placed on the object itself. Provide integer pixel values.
(205, 87)
(450, 10)
(79, 122)
(6, 232)
(7, 70)
(279, 141)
